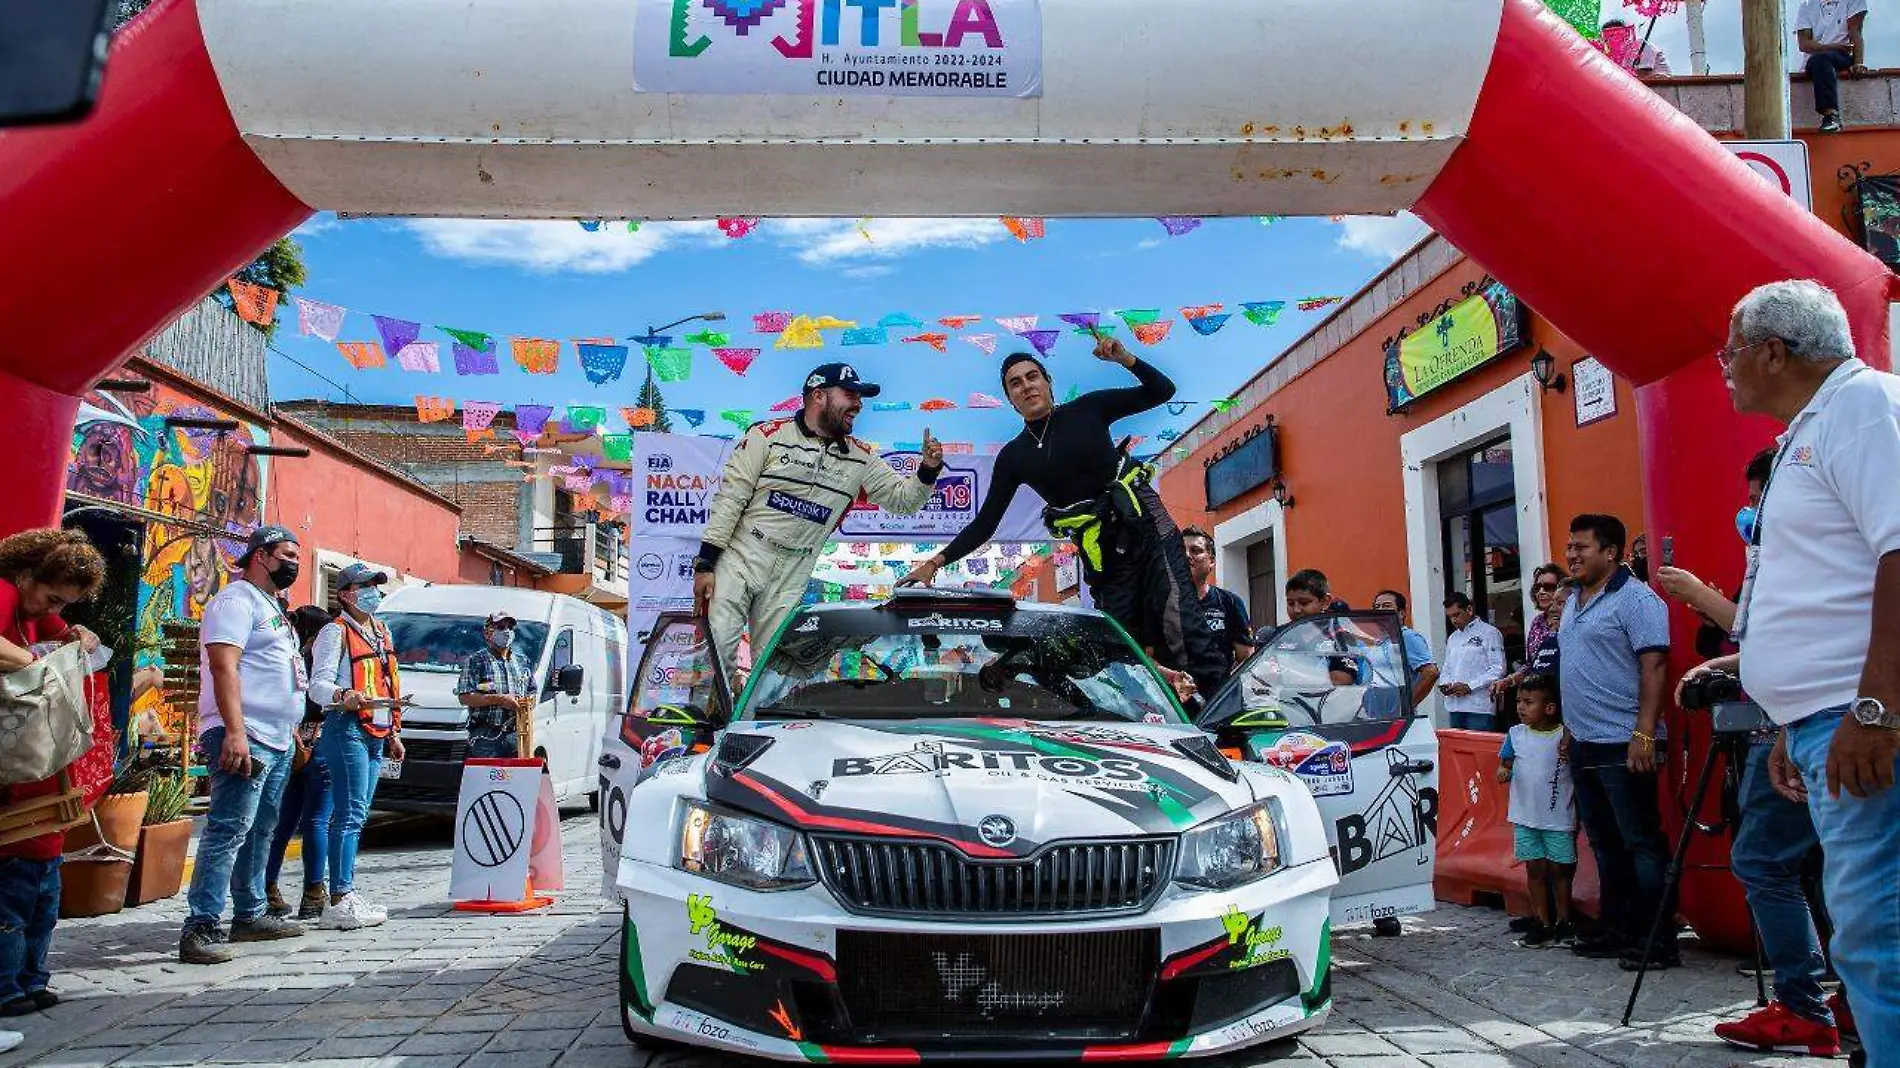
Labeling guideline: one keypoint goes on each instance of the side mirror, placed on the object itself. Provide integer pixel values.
(568, 680)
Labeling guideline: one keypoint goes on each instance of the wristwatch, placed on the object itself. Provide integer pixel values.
(1870, 712)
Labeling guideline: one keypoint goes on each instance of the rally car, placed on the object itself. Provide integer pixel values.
(949, 825)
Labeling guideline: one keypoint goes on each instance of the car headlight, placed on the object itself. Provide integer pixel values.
(741, 850)
(1233, 850)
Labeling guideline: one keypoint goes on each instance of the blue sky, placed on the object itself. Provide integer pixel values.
(555, 280)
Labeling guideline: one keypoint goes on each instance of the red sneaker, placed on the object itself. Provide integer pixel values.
(1778, 1029)
(1843, 1016)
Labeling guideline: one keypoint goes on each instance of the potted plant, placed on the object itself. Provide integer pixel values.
(159, 868)
(97, 871)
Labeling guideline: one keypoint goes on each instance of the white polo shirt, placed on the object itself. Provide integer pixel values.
(1831, 511)
(1827, 19)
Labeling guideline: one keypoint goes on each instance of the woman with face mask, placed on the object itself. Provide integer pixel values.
(354, 677)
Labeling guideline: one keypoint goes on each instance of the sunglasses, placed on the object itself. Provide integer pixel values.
(1546, 587)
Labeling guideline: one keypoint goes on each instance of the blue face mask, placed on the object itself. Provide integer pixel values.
(1745, 521)
(368, 600)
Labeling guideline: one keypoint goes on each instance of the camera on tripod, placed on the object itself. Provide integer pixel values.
(1720, 693)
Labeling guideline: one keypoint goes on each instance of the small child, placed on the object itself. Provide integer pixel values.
(1543, 809)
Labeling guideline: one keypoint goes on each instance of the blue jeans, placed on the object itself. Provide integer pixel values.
(29, 907)
(307, 807)
(1772, 846)
(235, 847)
(1474, 721)
(354, 758)
(1860, 839)
(1619, 810)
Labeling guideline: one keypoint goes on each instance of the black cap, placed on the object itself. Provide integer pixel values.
(842, 375)
(499, 619)
(359, 575)
(266, 537)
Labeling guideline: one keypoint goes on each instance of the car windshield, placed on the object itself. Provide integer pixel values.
(881, 664)
(439, 643)
(1326, 670)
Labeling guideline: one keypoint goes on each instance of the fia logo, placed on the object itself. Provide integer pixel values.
(659, 461)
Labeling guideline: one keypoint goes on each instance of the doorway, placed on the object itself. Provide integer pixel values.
(1483, 557)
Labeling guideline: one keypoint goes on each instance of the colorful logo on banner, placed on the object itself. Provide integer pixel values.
(983, 48)
(1474, 332)
(951, 507)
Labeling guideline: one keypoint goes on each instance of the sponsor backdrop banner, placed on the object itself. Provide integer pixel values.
(1474, 332)
(869, 48)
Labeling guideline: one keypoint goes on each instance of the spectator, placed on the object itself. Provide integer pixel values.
(1819, 620)
(1418, 650)
(306, 805)
(1225, 614)
(1540, 635)
(1634, 54)
(1613, 640)
(497, 687)
(1543, 810)
(1829, 33)
(1474, 659)
(353, 675)
(1308, 594)
(247, 718)
(42, 572)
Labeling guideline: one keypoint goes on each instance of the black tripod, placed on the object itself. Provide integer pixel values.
(1733, 745)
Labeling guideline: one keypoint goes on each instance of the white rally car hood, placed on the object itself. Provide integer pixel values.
(994, 787)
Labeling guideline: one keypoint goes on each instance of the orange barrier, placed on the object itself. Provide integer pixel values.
(1475, 865)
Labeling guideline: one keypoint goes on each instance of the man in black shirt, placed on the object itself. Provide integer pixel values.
(1133, 560)
(1224, 613)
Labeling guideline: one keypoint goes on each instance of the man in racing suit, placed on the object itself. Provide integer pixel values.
(786, 487)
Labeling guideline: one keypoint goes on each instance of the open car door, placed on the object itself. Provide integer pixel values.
(1328, 698)
(678, 703)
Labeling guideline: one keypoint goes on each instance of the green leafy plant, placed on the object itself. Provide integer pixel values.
(169, 795)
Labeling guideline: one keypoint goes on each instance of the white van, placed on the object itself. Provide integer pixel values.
(579, 655)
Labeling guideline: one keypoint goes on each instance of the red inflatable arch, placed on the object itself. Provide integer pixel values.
(224, 124)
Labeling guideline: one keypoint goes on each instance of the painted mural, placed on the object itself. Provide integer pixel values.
(124, 452)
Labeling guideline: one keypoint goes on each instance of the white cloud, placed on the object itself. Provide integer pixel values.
(320, 223)
(1381, 237)
(868, 272)
(823, 241)
(554, 247)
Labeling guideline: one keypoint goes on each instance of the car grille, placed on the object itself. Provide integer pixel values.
(906, 986)
(435, 749)
(882, 877)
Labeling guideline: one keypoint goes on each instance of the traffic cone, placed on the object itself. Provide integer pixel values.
(528, 902)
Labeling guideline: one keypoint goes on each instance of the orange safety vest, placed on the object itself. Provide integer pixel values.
(373, 674)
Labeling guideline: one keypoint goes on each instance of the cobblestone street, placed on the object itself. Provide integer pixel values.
(440, 989)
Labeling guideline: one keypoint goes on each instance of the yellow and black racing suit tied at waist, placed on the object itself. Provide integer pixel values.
(1087, 523)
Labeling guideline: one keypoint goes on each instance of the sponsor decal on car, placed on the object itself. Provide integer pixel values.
(662, 746)
(1257, 944)
(934, 758)
(1325, 766)
(695, 1023)
(939, 621)
(726, 949)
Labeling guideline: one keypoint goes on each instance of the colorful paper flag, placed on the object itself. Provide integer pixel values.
(317, 319)
(671, 365)
(617, 448)
(470, 361)
(639, 418)
(737, 228)
(1016, 324)
(1179, 224)
(937, 404)
(363, 355)
(1179, 407)
(254, 304)
(832, 322)
(397, 334)
(736, 360)
(530, 421)
(1316, 303)
(479, 415)
(1139, 316)
(1104, 330)
(1074, 392)
(585, 418)
(789, 404)
(1024, 228)
(422, 356)
(712, 339)
(1043, 340)
(771, 322)
(738, 417)
(986, 342)
(537, 356)
(958, 322)
(1169, 434)
(984, 400)
(890, 406)
(1153, 333)
(800, 333)
(1226, 404)
(1082, 320)
(694, 417)
(940, 342)
(1209, 325)
(1202, 311)
(1267, 220)
(601, 363)
(866, 335)
(434, 409)
(901, 321)
(653, 341)
(1263, 313)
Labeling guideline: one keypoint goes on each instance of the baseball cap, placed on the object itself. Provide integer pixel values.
(359, 575)
(265, 537)
(498, 619)
(842, 375)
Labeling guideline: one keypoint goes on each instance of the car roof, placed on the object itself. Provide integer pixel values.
(979, 598)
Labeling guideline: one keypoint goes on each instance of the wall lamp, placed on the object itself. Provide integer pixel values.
(1280, 493)
(1544, 370)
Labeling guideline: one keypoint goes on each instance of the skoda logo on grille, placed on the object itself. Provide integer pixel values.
(997, 830)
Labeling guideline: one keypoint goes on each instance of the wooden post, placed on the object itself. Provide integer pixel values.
(1764, 71)
(1698, 41)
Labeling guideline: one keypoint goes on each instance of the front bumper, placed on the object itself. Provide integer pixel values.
(792, 976)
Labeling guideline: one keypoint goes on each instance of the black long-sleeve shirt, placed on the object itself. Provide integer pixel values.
(1067, 456)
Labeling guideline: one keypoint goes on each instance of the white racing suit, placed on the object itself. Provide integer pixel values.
(784, 492)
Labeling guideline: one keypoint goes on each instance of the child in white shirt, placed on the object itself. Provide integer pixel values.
(1543, 809)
